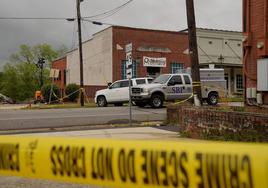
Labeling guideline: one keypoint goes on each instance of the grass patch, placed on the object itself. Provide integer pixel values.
(60, 106)
(233, 99)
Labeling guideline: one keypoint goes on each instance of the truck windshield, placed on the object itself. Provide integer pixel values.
(162, 79)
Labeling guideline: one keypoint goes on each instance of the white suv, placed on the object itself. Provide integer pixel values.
(118, 92)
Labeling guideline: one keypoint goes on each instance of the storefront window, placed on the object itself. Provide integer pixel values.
(124, 70)
(175, 67)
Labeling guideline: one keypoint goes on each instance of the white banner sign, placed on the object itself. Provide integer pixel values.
(129, 47)
(54, 73)
(154, 62)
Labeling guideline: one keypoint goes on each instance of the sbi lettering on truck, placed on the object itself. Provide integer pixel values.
(177, 90)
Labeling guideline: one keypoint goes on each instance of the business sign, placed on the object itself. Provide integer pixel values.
(154, 62)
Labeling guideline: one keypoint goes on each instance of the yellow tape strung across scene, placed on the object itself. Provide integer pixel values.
(135, 163)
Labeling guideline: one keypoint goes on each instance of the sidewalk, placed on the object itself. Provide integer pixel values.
(12, 106)
(138, 133)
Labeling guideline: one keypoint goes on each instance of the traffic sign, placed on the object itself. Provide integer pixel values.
(129, 61)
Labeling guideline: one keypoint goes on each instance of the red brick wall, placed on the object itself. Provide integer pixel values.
(255, 26)
(175, 41)
(202, 122)
(61, 65)
(91, 90)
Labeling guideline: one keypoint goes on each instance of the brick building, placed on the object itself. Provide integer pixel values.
(105, 58)
(255, 28)
(60, 64)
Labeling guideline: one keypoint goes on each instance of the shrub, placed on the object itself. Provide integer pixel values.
(72, 90)
(46, 92)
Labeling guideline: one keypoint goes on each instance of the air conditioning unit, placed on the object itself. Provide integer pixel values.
(262, 74)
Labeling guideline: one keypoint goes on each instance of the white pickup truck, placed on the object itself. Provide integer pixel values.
(118, 92)
(171, 87)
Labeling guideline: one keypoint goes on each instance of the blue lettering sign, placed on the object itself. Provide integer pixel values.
(177, 89)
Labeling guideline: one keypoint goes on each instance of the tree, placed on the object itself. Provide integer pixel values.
(1, 79)
(72, 91)
(20, 77)
(10, 82)
(28, 54)
(46, 89)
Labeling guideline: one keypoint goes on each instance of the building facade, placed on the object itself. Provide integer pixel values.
(104, 55)
(105, 58)
(255, 28)
(224, 50)
(60, 64)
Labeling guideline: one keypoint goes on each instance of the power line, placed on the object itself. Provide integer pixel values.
(100, 16)
(109, 12)
(98, 23)
(31, 18)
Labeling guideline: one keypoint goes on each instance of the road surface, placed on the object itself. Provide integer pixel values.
(49, 118)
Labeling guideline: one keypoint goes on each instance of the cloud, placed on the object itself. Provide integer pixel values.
(155, 14)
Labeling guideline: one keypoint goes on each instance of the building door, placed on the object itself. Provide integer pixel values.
(226, 77)
(153, 71)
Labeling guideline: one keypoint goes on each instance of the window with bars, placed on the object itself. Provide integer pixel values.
(175, 67)
(124, 70)
(239, 83)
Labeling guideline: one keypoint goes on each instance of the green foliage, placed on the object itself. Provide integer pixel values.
(1, 79)
(10, 82)
(46, 92)
(28, 54)
(20, 81)
(21, 77)
(70, 89)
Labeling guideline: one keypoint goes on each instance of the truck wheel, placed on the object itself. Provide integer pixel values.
(156, 101)
(140, 104)
(212, 99)
(101, 101)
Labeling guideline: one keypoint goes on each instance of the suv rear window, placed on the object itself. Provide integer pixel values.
(150, 80)
(125, 83)
(187, 79)
(140, 81)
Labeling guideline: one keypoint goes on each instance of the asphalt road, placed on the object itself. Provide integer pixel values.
(29, 119)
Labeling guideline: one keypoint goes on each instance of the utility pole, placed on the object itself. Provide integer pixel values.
(80, 53)
(193, 48)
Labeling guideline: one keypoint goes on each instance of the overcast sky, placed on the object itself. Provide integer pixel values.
(155, 14)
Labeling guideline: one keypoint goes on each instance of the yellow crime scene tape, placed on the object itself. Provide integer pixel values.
(138, 164)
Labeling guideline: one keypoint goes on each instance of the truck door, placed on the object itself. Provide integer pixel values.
(175, 88)
(113, 92)
(123, 94)
(187, 89)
